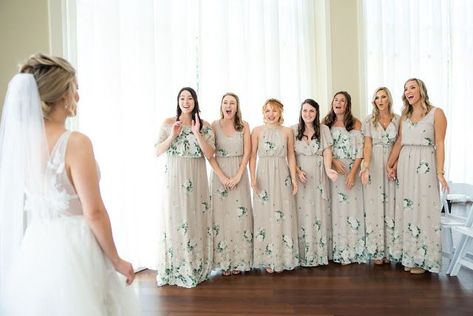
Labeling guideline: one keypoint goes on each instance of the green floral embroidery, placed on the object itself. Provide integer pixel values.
(221, 246)
(428, 141)
(264, 196)
(190, 246)
(188, 186)
(279, 215)
(287, 241)
(205, 206)
(268, 146)
(423, 167)
(415, 230)
(354, 222)
(222, 152)
(248, 236)
(406, 203)
(261, 236)
(216, 229)
(287, 181)
(268, 250)
(317, 225)
(241, 210)
(184, 228)
(342, 197)
(223, 193)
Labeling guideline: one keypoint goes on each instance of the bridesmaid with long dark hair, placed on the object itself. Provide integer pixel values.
(313, 148)
(185, 255)
(348, 221)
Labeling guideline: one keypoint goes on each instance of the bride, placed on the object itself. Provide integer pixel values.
(57, 254)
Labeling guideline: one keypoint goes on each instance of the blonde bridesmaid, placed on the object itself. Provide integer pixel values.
(230, 187)
(417, 161)
(380, 133)
(274, 185)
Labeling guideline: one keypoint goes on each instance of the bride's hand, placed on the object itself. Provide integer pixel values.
(126, 269)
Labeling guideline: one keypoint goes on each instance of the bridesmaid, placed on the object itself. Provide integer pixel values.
(348, 222)
(186, 255)
(230, 187)
(313, 144)
(380, 130)
(274, 184)
(420, 149)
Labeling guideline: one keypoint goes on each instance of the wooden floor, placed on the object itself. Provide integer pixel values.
(331, 290)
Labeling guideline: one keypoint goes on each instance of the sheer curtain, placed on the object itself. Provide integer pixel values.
(431, 40)
(132, 59)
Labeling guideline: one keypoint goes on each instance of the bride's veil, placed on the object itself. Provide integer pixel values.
(23, 158)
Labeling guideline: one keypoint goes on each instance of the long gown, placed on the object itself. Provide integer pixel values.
(61, 269)
(186, 244)
(313, 200)
(379, 193)
(232, 210)
(417, 234)
(348, 219)
(274, 209)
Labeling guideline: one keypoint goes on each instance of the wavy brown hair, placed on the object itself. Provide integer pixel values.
(348, 119)
(237, 120)
(315, 123)
(424, 99)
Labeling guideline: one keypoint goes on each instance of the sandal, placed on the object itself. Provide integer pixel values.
(407, 269)
(226, 273)
(235, 272)
(417, 271)
(269, 270)
(378, 261)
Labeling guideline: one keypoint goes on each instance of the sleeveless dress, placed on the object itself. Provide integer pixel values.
(313, 200)
(186, 243)
(417, 241)
(61, 269)
(274, 209)
(379, 193)
(232, 211)
(348, 217)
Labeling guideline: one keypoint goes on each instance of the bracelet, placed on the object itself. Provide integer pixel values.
(441, 173)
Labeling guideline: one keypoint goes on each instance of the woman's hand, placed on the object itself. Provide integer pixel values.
(339, 166)
(365, 175)
(392, 173)
(350, 180)
(295, 187)
(126, 269)
(176, 129)
(301, 175)
(233, 181)
(196, 126)
(332, 174)
(443, 183)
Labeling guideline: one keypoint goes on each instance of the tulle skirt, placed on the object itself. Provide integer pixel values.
(61, 270)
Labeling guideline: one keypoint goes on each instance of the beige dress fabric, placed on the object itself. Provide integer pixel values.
(379, 193)
(313, 200)
(232, 211)
(348, 218)
(275, 219)
(186, 245)
(417, 240)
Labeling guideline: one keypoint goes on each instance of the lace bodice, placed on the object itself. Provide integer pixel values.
(59, 197)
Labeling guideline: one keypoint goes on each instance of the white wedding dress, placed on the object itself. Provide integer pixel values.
(60, 268)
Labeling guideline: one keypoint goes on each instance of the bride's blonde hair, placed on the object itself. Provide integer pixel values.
(55, 78)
